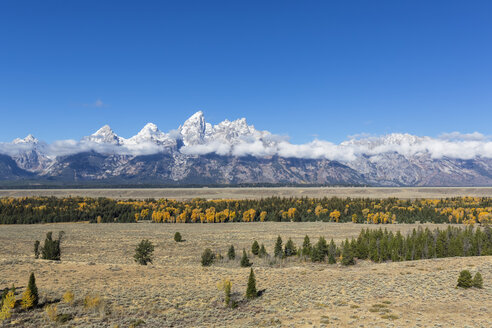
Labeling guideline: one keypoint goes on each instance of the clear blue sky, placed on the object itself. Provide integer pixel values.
(301, 68)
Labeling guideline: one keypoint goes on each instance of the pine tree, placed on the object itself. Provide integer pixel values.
(144, 252)
(255, 248)
(231, 253)
(36, 249)
(33, 289)
(347, 255)
(177, 237)
(306, 246)
(290, 248)
(245, 260)
(262, 252)
(251, 291)
(477, 280)
(465, 279)
(278, 247)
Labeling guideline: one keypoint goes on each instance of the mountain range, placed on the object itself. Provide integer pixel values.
(233, 152)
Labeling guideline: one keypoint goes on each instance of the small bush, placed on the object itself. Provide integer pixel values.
(51, 312)
(27, 300)
(231, 253)
(245, 260)
(255, 248)
(226, 286)
(68, 297)
(208, 257)
(177, 237)
(477, 280)
(465, 279)
(92, 301)
(144, 252)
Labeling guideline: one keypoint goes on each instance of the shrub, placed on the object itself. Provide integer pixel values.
(251, 291)
(177, 237)
(277, 251)
(245, 260)
(68, 297)
(51, 312)
(231, 253)
(27, 300)
(33, 289)
(255, 248)
(92, 301)
(208, 257)
(7, 305)
(290, 248)
(262, 252)
(477, 280)
(144, 252)
(226, 286)
(465, 279)
(36, 249)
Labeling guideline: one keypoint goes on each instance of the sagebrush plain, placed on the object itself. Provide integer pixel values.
(176, 291)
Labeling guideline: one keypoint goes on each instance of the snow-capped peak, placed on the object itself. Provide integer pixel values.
(194, 130)
(27, 140)
(150, 133)
(104, 135)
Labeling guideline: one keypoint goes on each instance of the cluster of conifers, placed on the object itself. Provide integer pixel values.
(377, 245)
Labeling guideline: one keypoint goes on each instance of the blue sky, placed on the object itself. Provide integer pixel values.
(307, 69)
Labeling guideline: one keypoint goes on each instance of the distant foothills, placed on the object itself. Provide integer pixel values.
(233, 153)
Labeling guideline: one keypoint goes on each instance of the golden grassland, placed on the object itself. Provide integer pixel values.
(255, 193)
(176, 291)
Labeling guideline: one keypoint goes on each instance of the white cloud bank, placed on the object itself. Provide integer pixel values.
(452, 145)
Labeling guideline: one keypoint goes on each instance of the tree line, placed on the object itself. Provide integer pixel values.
(28, 210)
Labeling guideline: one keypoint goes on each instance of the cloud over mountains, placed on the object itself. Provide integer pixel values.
(197, 137)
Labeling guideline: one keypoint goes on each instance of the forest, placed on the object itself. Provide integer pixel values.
(461, 210)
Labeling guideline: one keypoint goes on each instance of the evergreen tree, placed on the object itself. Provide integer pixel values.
(177, 237)
(251, 291)
(262, 252)
(231, 253)
(245, 260)
(278, 247)
(144, 252)
(347, 256)
(477, 280)
(306, 246)
(208, 257)
(51, 248)
(33, 289)
(465, 279)
(255, 248)
(36, 249)
(290, 248)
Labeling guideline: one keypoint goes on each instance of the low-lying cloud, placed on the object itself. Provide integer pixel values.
(452, 145)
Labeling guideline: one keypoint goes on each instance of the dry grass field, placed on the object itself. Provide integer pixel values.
(176, 291)
(254, 193)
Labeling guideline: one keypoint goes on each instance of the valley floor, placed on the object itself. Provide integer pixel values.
(255, 193)
(176, 291)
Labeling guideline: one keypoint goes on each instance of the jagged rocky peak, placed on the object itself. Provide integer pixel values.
(389, 139)
(194, 130)
(27, 140)
(105, 135)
